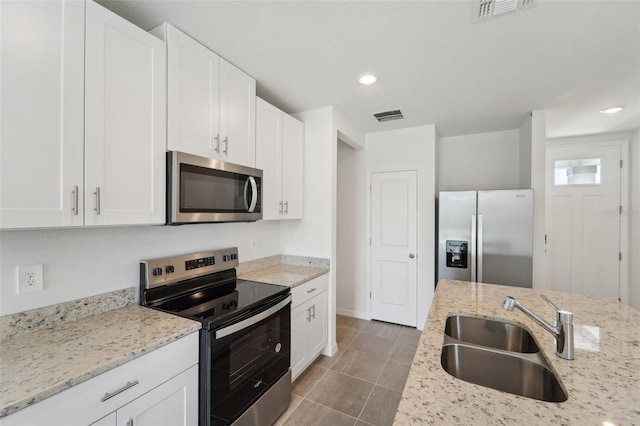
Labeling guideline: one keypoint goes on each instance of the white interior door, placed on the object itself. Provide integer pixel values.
(393, 247)
(583, 219)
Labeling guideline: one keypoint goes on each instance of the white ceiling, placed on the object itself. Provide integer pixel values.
(432, 58)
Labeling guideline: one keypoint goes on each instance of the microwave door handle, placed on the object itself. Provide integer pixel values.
(246, 187)
(254, 194)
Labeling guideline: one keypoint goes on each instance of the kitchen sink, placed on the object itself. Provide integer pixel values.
(491, 333)
(500, 355)
(502, 371)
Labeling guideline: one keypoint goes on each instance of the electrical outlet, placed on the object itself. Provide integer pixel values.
(30, 278)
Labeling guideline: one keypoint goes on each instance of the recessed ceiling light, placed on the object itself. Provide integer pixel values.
(367, 79)
(612, 110)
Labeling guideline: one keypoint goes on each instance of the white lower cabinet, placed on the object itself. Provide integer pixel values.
(173, 403)
(308, 323)
(156, 389)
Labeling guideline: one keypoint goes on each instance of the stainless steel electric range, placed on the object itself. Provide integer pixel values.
(245, 341)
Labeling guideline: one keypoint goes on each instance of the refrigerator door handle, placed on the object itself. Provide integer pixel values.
(480, 243)
(472, 249)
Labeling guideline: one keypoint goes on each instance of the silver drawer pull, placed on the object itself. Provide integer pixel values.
(130, 422)
(122, 389)
(312, 290)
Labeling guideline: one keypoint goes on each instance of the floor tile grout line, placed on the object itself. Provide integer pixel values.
(376, 383)
(332, 409)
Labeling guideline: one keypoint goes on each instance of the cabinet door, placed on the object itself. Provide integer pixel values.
(237, 116)
(41, 129)
(292, 166)
(173, 403)
(317, 329)
(299, 349)
(109, 420)
(269, 157)
(125, 121)
(193, 96)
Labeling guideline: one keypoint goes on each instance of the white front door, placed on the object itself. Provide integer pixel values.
(393, 247)
(583, 219)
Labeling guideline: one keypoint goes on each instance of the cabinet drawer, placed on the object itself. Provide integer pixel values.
(306, 291)
(82, 405)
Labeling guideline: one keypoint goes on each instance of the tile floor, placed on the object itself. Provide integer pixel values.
(360, 385)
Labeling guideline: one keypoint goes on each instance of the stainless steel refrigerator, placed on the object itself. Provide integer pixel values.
(486, 236)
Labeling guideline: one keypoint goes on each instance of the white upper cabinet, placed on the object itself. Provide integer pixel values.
(124, 122)
(279, 153)
(193, 92)
(83, 134)
(237, 116)
(211, 103)
(292, 166)
(42, 103)
(269, 157)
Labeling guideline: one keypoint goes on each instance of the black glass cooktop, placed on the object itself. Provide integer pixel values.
(217, 304)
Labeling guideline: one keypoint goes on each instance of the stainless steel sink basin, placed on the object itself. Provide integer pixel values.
(494, 334)
(500, 370)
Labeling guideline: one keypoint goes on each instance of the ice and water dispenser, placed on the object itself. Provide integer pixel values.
(457, 253)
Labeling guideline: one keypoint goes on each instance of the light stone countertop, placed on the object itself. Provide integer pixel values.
(289, 271)
(602, 382)
(287, 275)
(39, 364)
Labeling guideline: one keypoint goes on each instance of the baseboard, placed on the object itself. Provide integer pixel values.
(330, 350)
(353, 314)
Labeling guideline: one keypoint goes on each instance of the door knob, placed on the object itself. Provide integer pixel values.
(411, 255)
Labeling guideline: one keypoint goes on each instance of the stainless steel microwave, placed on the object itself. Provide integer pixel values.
(201, 190)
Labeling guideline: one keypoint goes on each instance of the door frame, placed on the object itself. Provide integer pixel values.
(419, 244)
(586, 142)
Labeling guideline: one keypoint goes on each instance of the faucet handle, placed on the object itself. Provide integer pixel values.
(546, 299)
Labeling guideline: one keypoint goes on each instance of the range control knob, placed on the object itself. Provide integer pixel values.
(234, 303)
(226, 306)
(225, 258)
(169, 269)
(157, 271)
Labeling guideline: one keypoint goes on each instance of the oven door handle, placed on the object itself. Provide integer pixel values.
(224, 332)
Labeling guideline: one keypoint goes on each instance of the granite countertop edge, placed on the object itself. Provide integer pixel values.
(285, 274)
(600, 381)
(68, 381)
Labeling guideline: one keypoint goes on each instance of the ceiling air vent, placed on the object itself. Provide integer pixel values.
(395, 114)
(489, 8)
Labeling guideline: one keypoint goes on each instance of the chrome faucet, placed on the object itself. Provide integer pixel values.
(562, 330)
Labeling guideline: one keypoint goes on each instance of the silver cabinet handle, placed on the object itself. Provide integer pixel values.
(226, 145)
(217, 139)
(312, 290)
(75, 200)
(281, 203)
(97, 194)
(308, 314)
(286, 207)
(314, 312)
(119, 391)
(411, 255)
(130, 422)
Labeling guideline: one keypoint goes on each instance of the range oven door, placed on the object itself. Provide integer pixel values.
(244, 360)
(203, 189)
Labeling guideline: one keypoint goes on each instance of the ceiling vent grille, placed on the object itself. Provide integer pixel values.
(395, 114)
(489, 8)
